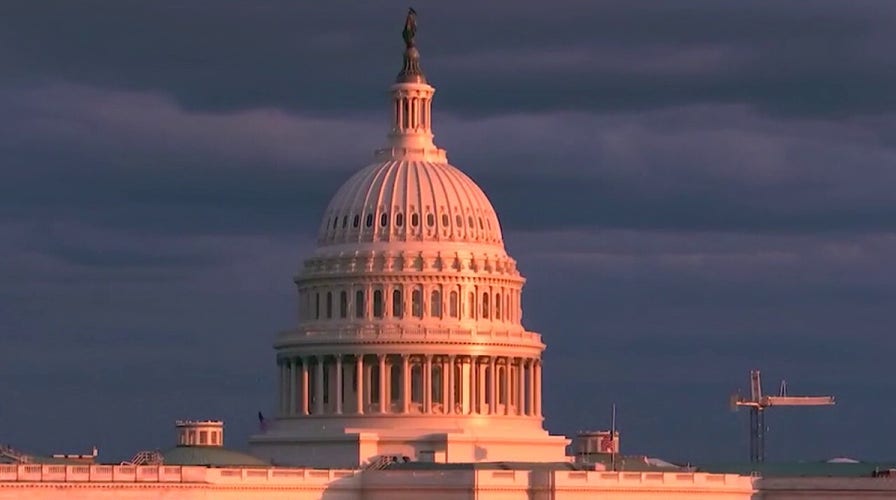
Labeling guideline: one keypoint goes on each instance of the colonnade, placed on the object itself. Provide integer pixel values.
(409, 384)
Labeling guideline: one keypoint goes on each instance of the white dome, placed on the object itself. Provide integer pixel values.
(402, 200)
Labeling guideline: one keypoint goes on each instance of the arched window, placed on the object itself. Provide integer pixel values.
(317, 306)
(471, 306)
(369, 221)
(485, 305)
(384, 219)
(417, 303)
(356, 220)
(430, 220)
(343, 304)
(396, 303)
(399, 219)
(359, 304)
(415, 220)
(498, 306)
(329, 305)
(435, 304)
(452, 304)
(377, 303)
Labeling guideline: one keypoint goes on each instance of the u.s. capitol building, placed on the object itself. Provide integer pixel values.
(409, 374)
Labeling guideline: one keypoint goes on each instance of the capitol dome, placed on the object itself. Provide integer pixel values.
(401, 200)
(410, 339)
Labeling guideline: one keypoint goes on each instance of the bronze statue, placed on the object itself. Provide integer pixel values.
(410, 28)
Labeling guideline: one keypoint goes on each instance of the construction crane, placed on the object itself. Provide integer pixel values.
(758, 404)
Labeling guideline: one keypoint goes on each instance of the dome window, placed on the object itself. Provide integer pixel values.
(470, 221)
(399, 219)
(369, 221)
(430, 220)
(415, 220)
(384, 219)
(485, 305)
(359, 304)
(480, 224)
(435, 304)
(335, 222)
(498, 306)
(460, 220)
(378, 303)
(343, 304)
(329, 305)
(445, 220)
(356, 221)
(417, 303)
(452, 304)
(396, 303)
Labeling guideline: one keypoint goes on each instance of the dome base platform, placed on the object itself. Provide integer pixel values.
(355, 448)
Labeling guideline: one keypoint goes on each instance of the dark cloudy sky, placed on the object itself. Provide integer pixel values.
(693, 188)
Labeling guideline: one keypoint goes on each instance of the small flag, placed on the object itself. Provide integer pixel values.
(262, 424)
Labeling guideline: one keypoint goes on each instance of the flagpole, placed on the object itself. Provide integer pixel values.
(613, 439)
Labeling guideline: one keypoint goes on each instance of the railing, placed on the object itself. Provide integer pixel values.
(14, 454)
(167, 474)
(392, 332)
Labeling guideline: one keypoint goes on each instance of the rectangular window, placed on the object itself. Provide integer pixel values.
(203, 437)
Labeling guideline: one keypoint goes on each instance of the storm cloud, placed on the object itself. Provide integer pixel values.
(692, 189)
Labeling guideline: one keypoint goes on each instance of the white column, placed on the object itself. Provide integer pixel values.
(445, 393)
(405, 384)
(536, 367)
(530, 364)
(291, 396)
(476, 385)
(450, 399)
(427, 385)
(319, 387)
(521, 388)
(338, 384)
(382, 360)
(359, 384)
(305, 398)
(493, 386)
(507, 385)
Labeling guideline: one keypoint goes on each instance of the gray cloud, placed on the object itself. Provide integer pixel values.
(692, 192)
